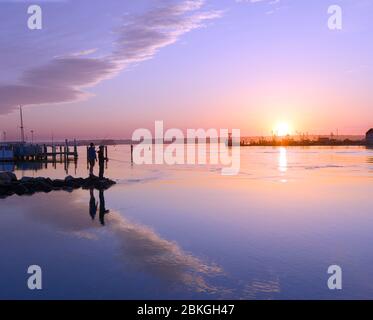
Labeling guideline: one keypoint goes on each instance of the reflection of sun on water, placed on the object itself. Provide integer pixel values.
(282, 160)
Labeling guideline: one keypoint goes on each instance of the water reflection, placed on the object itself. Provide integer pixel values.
(282, 160)
(35, 166)
(153, 248)
(93, 205)
(261, 289)
(103, 210)
(140, 248)
(5, 166)
(148, 252)
(21, 166)
(370, 157)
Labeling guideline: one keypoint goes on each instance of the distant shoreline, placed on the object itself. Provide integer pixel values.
(245, 142)
(308, 144)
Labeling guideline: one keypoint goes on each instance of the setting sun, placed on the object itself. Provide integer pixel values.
(282, 129)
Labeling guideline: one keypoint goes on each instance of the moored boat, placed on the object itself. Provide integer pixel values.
(6, 153)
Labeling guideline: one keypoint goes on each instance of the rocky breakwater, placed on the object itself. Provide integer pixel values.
(9, 184)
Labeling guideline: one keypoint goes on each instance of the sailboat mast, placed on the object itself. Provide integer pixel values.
(22, 128)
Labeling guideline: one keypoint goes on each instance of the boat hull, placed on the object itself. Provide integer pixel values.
(6, 155)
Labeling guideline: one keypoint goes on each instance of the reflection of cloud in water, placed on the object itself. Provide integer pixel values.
(83, 235)
(140, 246)
(59, 209)
(149, 252)
(261, 289)
(153, 177)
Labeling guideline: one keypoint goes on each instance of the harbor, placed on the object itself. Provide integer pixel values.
(23, 151)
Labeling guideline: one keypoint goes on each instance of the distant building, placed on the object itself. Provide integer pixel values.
(369, 137)
(323, 140)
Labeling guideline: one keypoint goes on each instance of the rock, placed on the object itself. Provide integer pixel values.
(80, 181)
(6, 177)
(12, 176)
(28, 186)
(20, 190)
(58, 183)
(9, 193)
(68, 189)
(86, 186)
(69, 178)
(3, 190)
(5, 184)
(42, 186)
(26, 179)
(30, 192)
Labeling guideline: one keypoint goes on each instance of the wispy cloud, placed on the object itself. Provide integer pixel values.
(139, 38)
(254, 1)
(270, 2)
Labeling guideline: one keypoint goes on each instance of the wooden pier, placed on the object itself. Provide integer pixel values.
(23, 152)
(44, 152)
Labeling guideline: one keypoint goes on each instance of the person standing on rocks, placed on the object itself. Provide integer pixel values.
(92, 158)
(101, 162)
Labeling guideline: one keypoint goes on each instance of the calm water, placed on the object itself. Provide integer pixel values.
(187, 232)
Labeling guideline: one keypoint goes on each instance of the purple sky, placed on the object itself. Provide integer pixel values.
(101, 69)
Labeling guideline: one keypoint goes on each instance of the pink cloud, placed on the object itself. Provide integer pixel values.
(62, 79)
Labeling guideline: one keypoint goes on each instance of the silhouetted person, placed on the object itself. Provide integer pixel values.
(101, 162)
(103, 210)
(92, 158)
(92, 204)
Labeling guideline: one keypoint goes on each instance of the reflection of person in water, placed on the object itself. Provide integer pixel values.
(103, 210)
(92, 204)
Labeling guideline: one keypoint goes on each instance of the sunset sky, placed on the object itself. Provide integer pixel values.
(101, 69)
